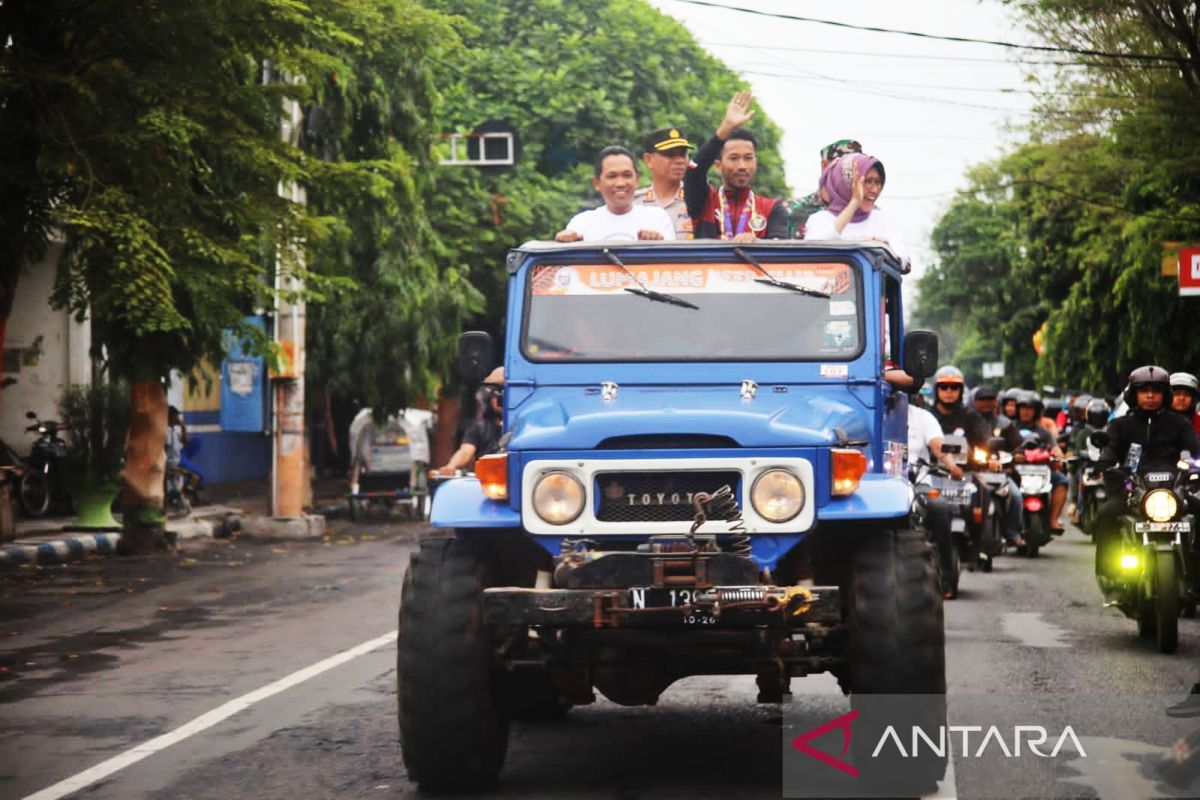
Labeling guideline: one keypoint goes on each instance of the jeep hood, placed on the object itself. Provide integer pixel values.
(578, 418)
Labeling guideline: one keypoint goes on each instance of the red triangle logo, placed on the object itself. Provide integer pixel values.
(842, 723)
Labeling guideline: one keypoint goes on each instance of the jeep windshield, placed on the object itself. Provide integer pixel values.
(581, 312)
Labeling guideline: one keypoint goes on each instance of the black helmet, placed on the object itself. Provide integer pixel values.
(1147, 376)
(1097, 413)
(1032, 399)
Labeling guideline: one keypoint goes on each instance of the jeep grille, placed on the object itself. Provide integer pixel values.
(656, 496)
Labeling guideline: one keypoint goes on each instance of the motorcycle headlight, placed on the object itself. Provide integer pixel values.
(777, 495)
(558, 498)
(1160, 505)
(979, 455)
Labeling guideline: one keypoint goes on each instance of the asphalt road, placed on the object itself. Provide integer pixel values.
(101, 657)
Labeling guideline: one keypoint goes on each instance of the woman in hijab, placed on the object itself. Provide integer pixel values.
(852, 184)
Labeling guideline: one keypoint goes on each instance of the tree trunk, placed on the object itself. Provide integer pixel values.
(145, 467)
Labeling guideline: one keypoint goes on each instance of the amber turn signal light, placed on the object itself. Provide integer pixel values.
(492, 472)
(848, 469)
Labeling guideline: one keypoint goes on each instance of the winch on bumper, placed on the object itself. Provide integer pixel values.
(692, 590)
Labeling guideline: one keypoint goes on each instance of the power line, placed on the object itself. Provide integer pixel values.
(942, 87)
(824, 80)
(960, 39)
(975, 59)
(1161, 215)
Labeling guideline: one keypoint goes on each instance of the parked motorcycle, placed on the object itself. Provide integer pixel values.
(1157, 566)
(43, 485)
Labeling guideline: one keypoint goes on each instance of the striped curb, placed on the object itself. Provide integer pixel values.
(79, 546)
(61, 550)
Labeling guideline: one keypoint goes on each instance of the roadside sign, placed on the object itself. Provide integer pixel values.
(993, 369)
(1189, 272)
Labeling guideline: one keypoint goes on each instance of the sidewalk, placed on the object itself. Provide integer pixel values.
(234, 507)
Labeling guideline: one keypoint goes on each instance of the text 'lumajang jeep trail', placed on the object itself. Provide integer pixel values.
(702, 473)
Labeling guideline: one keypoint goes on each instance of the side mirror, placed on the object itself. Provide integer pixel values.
(475, 356)
(951, 448)
(920, 354)
(1098, 439)
(30, 415)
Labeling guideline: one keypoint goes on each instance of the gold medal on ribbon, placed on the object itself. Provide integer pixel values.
(758, 222)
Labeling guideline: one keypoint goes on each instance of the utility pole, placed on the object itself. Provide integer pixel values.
(289, 466)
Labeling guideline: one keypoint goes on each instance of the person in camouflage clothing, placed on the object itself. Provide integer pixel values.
(800, 209)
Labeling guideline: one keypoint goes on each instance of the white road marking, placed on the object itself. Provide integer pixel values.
(205, 721)
(1031, 630)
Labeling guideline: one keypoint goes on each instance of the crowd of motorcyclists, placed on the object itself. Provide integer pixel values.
(996, 470)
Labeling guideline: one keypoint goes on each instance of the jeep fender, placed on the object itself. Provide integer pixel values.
(461, 503)
(878, 497)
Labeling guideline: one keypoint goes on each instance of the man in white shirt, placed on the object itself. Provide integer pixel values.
(925, 438)
(620, 218)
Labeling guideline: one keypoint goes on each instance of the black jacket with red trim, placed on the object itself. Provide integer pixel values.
(704, 204)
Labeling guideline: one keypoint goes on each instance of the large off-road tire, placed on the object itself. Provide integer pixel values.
(453, 734)
(1166, 603)
(896, 647)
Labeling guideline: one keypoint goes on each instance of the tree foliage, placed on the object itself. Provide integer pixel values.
(386, 335)
(569, 78)
(148, 134)
(1067, 230)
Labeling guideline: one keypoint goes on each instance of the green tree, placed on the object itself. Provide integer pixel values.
(387, 334)
(149, 135)
(568, 78)
(1092, 197)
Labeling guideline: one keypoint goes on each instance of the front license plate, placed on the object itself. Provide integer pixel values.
(1162, 527)
(671, 598)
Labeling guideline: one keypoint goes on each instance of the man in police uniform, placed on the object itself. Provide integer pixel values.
(665, 154)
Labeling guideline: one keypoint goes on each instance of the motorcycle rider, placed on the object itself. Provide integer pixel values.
(1008, 403)
(954, 417)
(1185, 397)
(1076, 421)
(483, 437)
(1029, 409)
(1162, 436)
(1095, 419)
(1002, 427)
(948, 408)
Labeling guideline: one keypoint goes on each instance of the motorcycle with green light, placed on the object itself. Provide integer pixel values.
(1156, 570)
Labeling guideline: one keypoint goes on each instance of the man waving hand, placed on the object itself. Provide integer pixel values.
(733, 211)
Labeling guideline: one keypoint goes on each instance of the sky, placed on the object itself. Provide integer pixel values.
(927, 109)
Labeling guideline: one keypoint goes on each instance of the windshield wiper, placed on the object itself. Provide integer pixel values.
(767, 279)
(644, 291)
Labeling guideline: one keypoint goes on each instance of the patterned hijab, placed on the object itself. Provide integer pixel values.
(838, 178)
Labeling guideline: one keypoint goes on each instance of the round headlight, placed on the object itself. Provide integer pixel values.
(777, 495)
(558, 498)
(1160, 505)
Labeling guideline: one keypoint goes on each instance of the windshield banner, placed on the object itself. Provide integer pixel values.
(592, 279)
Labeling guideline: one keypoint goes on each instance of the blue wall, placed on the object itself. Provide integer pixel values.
(229, 455)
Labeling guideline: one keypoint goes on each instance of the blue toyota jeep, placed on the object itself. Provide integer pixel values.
(703, 472)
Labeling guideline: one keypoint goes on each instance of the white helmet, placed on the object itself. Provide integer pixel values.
(1186, 380)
